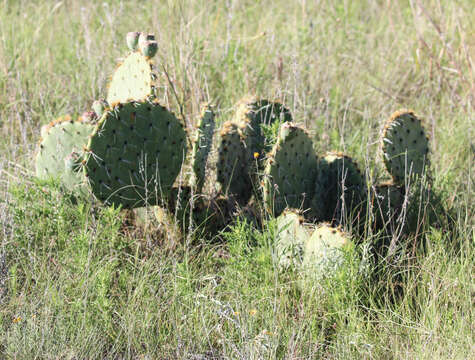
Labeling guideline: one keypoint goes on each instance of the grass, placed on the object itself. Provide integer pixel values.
(77, 282)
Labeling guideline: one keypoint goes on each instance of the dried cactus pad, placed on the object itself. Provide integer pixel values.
(135, 154)
(290, 171)
(202, 147)
(290, 239)
(232, 166)
(58, 156)
(323, 252)
(131, 81)
(339, 187)
(405, 146)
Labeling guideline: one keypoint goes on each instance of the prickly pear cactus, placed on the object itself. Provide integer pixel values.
(290, 239)
(405, 146)
(132, 40)
(99, 107)
(339, 188)
(232, 166)
(290, 172)
(59, 152)
(199, 214)
(202, 147)
(324, 251)
(135, 154)
(386, 203)
(254, 116)
(133, 80)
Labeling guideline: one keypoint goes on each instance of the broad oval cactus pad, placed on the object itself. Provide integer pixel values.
(135, 154)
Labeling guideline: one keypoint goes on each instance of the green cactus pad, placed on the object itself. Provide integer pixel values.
(135, 154)
(233, 165)
(207, 215)
(405, 146)
(290, 240)
(255, 116)
(132, 80)
(290, 171)
(59, 152)
(339, 188)
(202, 147)
(386, 204)
(324, 251)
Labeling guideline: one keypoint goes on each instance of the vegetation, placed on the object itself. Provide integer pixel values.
(79, 280)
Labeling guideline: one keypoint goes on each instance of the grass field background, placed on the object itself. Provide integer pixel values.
(75, 283)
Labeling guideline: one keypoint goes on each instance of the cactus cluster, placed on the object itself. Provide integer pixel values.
(129, 150)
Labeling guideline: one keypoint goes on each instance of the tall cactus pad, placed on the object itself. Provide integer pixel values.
(339, 188)
(290, 171)
(253, 115)
(132, 80)
(135, 154)
(202, 147)
(324, 251)
(405, 146)
(58, 156)
(290, 239)
(233, 165)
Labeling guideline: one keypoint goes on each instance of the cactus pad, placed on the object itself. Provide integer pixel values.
(233, 166)
(290, 240)
(135, 154)
(324, 250)
(405, 146)
(386, 204)
(290, 171)
(254, 115)
(202, 147)
(58, 156)
(99, 107)
(339, 187)
(132, 40)
(132, 80)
